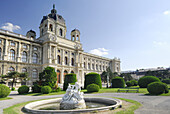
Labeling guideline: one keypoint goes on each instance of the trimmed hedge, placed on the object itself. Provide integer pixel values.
(118, 82)
(129, 84)
(93, 88)
(167, 81)
(4, 91)
(92, 78)
(23, 89)
(46, 89)
(144, 81)
(134, 82)
(69, 78)
(13, 89)
(36, 88)
(157, 88)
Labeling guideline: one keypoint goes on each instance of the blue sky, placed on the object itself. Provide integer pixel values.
(136, 31)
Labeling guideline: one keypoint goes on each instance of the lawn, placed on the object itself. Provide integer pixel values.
(103, 90)
(6, 98)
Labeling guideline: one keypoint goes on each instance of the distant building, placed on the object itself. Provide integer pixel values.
(30, 54)
(141, 72)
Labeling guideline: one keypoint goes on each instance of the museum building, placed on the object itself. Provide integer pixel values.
(52, 48)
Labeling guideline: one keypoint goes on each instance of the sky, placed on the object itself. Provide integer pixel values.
(136, 31)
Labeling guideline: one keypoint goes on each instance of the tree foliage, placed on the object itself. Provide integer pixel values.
(48, 77)
(14, 77)
(126, 76)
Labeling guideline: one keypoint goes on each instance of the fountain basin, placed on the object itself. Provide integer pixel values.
(109, 104)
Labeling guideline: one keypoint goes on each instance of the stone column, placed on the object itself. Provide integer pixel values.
(19, 52)
(62, 56)
(49, 54)
(62, 75)
(30, 58)
(6, 50)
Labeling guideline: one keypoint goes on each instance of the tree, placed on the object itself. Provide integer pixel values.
(104, 76)
(24, 76)
(126, 76)
(111, 74)
(48, 77)
(14, 76)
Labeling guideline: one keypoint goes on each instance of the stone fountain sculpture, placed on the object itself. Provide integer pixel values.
(73, 99)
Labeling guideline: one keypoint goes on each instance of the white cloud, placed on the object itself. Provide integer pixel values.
(99, 51)
(167, 12)
(10, 27)
(159, 43)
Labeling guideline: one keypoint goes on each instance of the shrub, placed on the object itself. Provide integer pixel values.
(93, 88)
(4, 91)
(129, 83)
(134, 82)
(46, 89)
(69, 78)
(167, 81)
(118, 82)
(13, 89)
(58, 89)
(166, 88)
(92, 78)
(23, 89)
(36, 88)
(144, 81)
(157, 88)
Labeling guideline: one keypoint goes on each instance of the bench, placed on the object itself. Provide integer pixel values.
(128, 89)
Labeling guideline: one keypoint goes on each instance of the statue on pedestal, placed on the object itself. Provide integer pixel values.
(73, 99)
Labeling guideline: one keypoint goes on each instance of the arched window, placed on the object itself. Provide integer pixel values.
(24, 56)
(35, 58)
(58, 76)
(103, 68)
(0, 54)
(51, 27)
(96, 67)
(11, 69)
(61, 32)
(24, 70)
(72, 61)
(12, 55)
(65, 72)
(84, 65)
(88, 65)
(72, 72)
(34, 73)
(58, 59)
(100, 67)
(66, 61)
(93, 66)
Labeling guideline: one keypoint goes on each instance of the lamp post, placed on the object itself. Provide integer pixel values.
(107, 79)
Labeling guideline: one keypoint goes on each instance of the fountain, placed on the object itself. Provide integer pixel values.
(72, 102)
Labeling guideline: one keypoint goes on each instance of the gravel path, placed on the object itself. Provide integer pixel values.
(151, 104)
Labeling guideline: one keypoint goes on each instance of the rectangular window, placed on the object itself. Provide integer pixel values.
(35, 48)
(12, 44)
(24, 46)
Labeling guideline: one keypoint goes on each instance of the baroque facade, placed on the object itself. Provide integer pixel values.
(30, 54)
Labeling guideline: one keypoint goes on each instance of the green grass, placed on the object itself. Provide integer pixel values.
(6, 98)
(16, 109)
(131, 109)
(40, 94)
(114, 90)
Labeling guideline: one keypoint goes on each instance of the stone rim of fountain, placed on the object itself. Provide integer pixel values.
(29, 107)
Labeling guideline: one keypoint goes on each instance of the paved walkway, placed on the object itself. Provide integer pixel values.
(151, 104)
